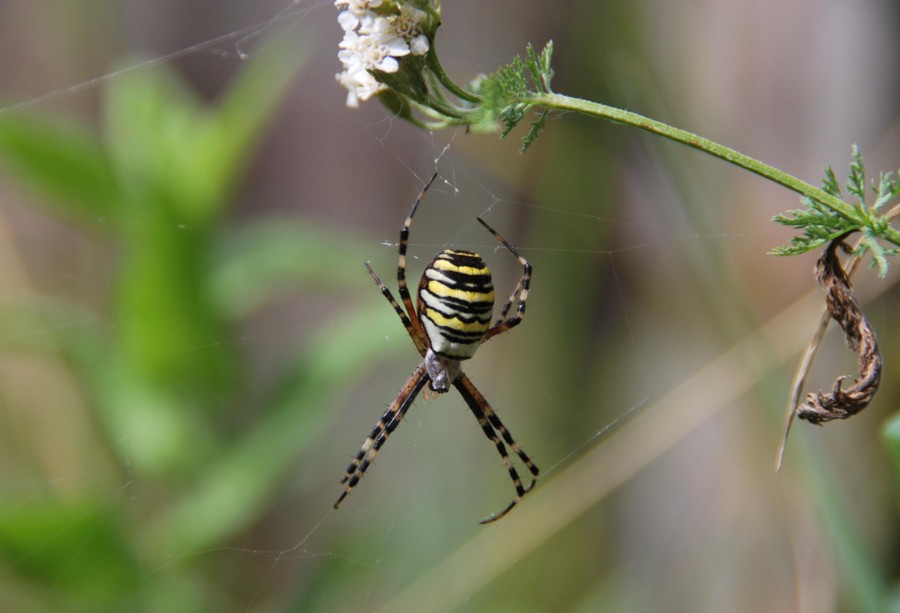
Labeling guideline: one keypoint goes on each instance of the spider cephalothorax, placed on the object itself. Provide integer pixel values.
(455, 306)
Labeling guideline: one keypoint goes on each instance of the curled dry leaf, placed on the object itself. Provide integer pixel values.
(840, 403)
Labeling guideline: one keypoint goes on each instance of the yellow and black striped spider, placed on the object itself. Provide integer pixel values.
(455, 305)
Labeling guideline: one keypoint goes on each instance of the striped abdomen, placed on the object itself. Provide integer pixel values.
(456, 303)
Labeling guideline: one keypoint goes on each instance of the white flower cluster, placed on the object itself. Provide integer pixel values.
(374, 42)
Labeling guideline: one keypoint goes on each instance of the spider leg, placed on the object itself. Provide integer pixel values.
(519, 295)
(509, 303)
(410, 327)
(401, 261)
(490, 424)
(388, 422)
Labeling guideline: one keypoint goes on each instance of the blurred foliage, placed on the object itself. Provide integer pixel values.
(159, 381)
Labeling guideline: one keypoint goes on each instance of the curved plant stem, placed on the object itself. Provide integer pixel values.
(435, 65)
(561, 102)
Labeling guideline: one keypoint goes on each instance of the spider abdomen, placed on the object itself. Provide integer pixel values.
(456, 303)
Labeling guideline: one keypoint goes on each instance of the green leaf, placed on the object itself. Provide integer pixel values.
(830, 184)
(887, 188)
(856, 181)
(536, 127)
(181, 160)
(506, 95)
(539, 66)
(63, 162)
(171, 146)
(820, 225)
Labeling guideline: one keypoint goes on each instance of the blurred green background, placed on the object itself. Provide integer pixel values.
(191, 349)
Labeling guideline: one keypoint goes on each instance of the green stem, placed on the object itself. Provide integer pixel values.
(892, 235)
(559, 101)
(435, 65)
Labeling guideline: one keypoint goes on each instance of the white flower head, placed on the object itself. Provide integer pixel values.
(348, 21)
(408, 25)
(375, 41)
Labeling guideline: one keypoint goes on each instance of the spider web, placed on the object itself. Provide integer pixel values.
(647, 380)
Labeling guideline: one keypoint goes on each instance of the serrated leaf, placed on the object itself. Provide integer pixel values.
(885, 189)
(536, 127)
(546, 67)
(820, 224)
(856, 181)
(795, 249)
(512, 115)
(879, 253)
(830, 185)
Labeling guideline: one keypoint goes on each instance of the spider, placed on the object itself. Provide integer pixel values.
(455, 305)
